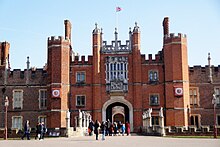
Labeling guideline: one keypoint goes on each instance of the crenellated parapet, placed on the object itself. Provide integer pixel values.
(199, 74)
(175, 38)
(158, 58)
(82, 61)
(200, 69)
(56, 40)
(116, 46)
(171, 38)
(18, 76)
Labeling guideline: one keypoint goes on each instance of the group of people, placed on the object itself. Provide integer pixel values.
(106, 128)
(40, 131)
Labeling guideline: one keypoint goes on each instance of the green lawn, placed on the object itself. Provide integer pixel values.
(192, 137)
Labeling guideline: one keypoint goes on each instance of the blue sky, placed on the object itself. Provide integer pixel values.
(26, 25)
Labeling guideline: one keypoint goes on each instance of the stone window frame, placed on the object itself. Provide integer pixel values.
(21, 100)
(116, 67)
(12, 122)
(153, 71)
(44, 99)
(154, 94)
(80, 74)
(217, 94)
(81, 105)
(192, 101)
(199, 119)
(155, 121)
(218, 119)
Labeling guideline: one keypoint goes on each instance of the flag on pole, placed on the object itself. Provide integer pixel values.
(118, 9)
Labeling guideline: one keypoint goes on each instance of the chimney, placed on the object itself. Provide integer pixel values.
(27, 72)
(68, 27)
(166, 26)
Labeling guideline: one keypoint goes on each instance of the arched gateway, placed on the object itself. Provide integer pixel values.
(118, 108)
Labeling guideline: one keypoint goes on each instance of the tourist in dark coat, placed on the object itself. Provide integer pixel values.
(103, 129)
(44, 130)
(38, 131)
(91, 127)
(96, 129)
(27, 130)
(109, 129)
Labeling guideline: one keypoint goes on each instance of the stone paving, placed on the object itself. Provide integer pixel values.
(113, 141)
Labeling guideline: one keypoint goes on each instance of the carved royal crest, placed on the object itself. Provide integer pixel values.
(116, 85)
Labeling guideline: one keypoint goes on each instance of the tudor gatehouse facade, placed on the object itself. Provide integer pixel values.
(116, 82)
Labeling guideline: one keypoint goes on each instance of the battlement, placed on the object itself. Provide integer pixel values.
(157, 59)
(201, 74)
(34, 72)
(172, 37)
(115, 46)
(200, 69)
(82, 61)
(56, 40)
(19, 76)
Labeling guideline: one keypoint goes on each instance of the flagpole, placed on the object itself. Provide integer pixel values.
(117, 10)
(116, 19)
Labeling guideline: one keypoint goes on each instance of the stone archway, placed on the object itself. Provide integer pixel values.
(118, 117)
(118, 99)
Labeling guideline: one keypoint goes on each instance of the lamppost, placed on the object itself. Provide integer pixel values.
(6, 115)
(214, 102)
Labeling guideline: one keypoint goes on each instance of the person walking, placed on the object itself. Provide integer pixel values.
(127, 126)
(44, 130)
(123, 129)
(38, 131)
(103, 129)
(27, 130)
(96, 129)
(108, 129)
(90, 128)
(115, 126)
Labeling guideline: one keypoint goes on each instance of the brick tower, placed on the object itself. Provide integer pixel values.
(136, 76)
(176, 77)
(96, 90)
(58, 77)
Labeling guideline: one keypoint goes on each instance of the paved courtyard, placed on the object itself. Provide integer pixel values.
(113, 141)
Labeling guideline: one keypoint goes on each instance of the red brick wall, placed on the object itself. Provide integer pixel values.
(176, 74)
(199, 78)
(58, 72)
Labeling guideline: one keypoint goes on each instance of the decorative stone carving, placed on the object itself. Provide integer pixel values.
(116, 85)
(161, 112)
(149, 111)
(116, 59)
(80, 118)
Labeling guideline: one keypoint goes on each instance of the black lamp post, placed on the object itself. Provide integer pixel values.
(214, 102)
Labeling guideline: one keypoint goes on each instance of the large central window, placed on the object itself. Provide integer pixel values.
(116, 73)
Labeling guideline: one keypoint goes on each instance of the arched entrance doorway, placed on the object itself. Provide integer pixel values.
(118, 109)
(117, 112)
